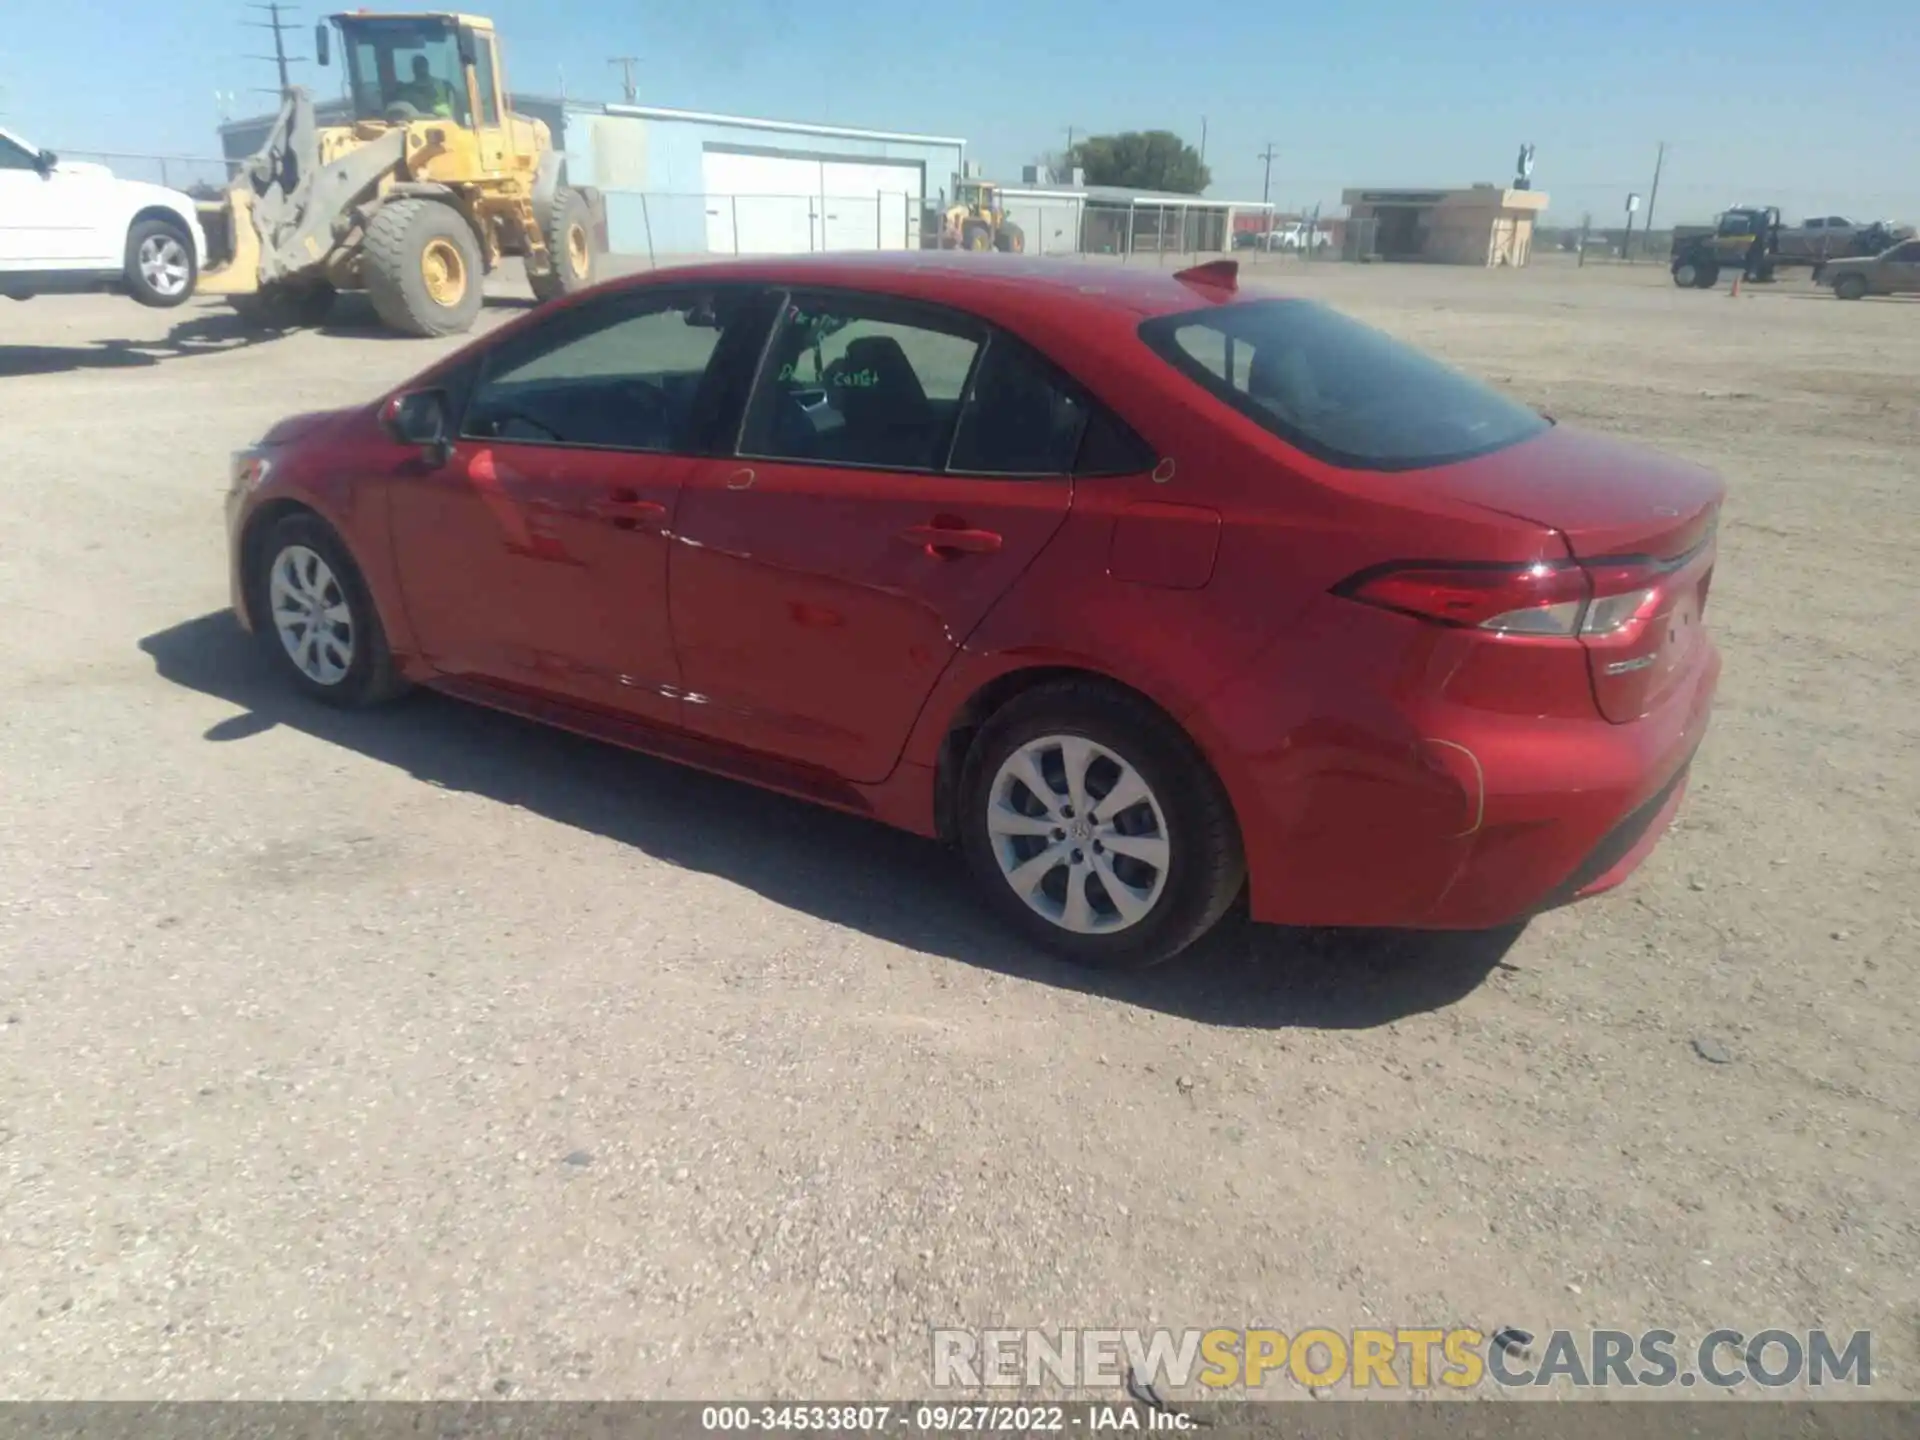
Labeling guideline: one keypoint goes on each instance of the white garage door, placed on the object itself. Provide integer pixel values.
(871, 207)
(1051, 227)
(783, 205)
(760, 204)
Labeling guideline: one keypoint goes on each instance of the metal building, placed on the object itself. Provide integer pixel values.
(680, 182)
(1117, 220)
(686, 183)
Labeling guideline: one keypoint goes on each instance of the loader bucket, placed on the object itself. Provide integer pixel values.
(237, 271)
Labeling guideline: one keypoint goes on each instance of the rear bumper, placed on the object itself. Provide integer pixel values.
(1380, 812)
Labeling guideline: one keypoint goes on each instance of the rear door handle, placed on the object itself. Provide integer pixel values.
(951, 539)
(628, 514)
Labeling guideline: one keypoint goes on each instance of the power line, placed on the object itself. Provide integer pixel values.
(1266, 183)
(626, 64)
(275, 23)
(1653, 192)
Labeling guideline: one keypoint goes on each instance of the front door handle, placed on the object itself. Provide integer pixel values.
(951, 540)
(628, 514)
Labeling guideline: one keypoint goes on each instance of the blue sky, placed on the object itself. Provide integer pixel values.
(1807, 107)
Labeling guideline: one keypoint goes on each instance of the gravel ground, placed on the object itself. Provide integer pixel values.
(427, 1053)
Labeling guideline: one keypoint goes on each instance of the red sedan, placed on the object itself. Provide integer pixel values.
(1140, 591)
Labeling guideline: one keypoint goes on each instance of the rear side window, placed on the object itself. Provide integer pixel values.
(1017, 419)
(1338, 390)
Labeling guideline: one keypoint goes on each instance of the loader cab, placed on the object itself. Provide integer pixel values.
(979, 196)
(414, 67)
(404, 69)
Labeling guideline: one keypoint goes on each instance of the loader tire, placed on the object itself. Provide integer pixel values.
(1011, 240)
(422, 268)
(568, 229)
(976, 235)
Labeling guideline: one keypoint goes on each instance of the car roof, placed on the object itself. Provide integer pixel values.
(985, 283)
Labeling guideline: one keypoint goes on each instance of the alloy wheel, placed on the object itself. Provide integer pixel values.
(311, 615)
(1078, 834)
(164, 265)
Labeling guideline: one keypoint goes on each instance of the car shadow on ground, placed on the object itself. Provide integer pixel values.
(835, 867)
(207, 332)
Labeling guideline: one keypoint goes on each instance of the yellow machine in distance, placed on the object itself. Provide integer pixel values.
(432, 182)
(977, 220)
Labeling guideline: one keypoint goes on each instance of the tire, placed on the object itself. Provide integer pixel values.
(568, 228)
(976, 235)
(1201, 868)
(301, 554)
(422, 268)
(1686, 275)
(1850, 287)
(1011, 240)
(1709, 276)
(160, 268)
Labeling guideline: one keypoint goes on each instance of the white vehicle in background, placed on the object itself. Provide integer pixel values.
(1296, 237)
(68, 226)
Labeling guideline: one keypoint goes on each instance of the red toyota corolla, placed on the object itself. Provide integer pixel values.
(1138, 590)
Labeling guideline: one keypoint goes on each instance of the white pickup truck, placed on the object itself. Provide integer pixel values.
(68, 226)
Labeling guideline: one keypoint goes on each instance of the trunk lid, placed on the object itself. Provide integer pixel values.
(1640, 522)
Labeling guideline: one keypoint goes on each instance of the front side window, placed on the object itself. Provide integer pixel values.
(626, 373)
(1338, 390)
(403, 69)
(16, 157)
(860, 381)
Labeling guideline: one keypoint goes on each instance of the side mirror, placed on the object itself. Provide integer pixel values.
(45, 161)
(322, 45)
(421, 417)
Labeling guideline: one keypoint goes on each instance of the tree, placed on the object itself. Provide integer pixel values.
(1143, 160)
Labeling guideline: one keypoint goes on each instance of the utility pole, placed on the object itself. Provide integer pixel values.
(1266, 185)
(1203, 139)
(1653, 193)
(626, 64)
(279, 25)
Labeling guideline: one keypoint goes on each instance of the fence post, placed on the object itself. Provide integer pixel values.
(646, 219)
(163, 173)
(733, 202)
(879, 209)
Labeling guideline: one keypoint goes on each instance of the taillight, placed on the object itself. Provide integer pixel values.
(1558, 598)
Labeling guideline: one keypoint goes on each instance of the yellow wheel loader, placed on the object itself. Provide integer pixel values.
(977, 221)
(432, 182)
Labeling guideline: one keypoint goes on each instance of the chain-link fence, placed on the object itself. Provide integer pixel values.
(664, 225)
(179, 172)
(668, 226)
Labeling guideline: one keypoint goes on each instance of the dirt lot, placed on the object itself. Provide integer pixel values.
(428, 1053)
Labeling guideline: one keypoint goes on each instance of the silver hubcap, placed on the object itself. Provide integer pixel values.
(311, 615)
(164, 264)
(1079, 835)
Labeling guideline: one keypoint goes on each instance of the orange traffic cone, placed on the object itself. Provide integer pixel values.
(1736, 287)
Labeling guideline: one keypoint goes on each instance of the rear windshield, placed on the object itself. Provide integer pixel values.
(1339, 390)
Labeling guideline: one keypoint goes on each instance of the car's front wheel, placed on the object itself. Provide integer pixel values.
(315, 619)
(1096, 827)
(160, 269)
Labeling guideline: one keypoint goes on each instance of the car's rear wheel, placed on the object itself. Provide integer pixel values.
(1850, 287)
(1095, 827)
(160, 270)
(315, 619)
